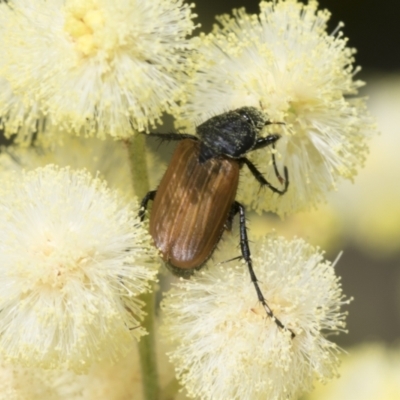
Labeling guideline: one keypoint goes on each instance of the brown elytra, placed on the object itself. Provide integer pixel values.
(192, 205)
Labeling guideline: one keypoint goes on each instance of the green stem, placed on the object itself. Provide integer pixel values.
(147, 349)
(147, 352)
(170, 390)
(138, 164)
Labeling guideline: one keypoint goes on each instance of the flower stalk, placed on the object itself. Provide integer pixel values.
(140, 182)
(137, 159)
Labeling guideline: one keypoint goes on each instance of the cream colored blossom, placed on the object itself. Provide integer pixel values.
(73, 259)
(284, 62)
(17, 383)
(104, 381)
(226, 347)
(92, 66)
(16, 115)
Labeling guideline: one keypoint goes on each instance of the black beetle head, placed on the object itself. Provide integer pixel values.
(254, 116)
(233, 133)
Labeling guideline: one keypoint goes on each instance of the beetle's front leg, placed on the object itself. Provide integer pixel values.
(172, 136)
(260, 178)
(245, 248)
(143, 205)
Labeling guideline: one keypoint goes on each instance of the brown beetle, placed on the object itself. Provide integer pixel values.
(195, 200)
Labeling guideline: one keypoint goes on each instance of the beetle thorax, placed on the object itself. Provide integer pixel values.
(234, 133)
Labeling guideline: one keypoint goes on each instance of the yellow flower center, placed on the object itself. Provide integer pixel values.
(57, 267)
(82, 20)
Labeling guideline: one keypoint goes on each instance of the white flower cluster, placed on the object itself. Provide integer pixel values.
(91, 66)
(226, 347)
(74, 258)
(284, 62)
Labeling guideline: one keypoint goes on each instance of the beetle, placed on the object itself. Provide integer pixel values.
(195, 200)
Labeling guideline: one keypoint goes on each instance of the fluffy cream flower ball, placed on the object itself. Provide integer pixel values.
(284, 62)
(225, 345)
(73, 259)
(99, 67)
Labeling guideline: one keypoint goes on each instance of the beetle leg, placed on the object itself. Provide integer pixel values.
(277, 174)
(266, 141)
(143, 205)
(229, 221)
(172, 136)
(245, 248)
(260, 178)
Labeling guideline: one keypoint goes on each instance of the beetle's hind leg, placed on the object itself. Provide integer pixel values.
(144, 203)
(245, 249)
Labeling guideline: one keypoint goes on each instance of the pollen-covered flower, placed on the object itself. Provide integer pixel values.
(104, 381)
(284, 62)
(19, 383)
(226, 347)
(16, 114)
(73, 259)
(93, 66)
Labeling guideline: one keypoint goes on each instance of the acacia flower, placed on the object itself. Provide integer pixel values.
(73, 259)
(226, 347)
(18, 116)
(93, 66)
(18, 383)
(15, 114)
(284, 62)
(103, 381)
